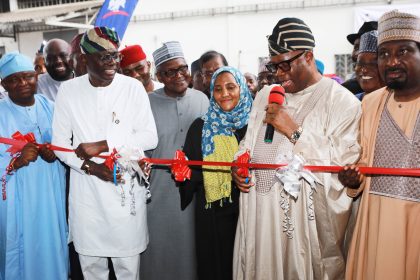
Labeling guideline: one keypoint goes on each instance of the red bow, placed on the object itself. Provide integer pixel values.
(111, 159)
(180, 168)
(244, 158)
(21, 141)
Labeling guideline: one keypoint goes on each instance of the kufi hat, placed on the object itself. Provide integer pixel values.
(14, 62)
(396, 26)
(288, 35)
(366, 27)
(132, 54)
(99, 39)
(369, 42)
(169, 50)
(262, 67)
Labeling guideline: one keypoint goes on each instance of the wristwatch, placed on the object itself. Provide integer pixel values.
(86, 167)
(295, 135)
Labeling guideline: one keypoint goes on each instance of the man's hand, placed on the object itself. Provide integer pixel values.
(277, 116)
(102, 172)
(28, 154)
(243, 183)
(88, 150)
(351, 177)
(46, 154)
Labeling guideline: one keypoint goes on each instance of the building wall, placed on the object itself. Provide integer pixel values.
(242, 37)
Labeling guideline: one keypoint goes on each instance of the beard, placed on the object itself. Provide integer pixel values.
(394, 84)
(59, 76)
(399, 83)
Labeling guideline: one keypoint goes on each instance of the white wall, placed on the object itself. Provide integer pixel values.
(29, 43)
(241, 37)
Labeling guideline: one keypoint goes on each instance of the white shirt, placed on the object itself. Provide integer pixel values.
(48, 86)
(119, 113)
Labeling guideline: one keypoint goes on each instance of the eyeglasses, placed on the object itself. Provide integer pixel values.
(109, 57)
(284, 65)
(173, 72)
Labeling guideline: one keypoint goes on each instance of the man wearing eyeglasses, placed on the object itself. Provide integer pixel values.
(95, 114)
(175, 107)
(210, 61)
(57, 57)
(290, 227)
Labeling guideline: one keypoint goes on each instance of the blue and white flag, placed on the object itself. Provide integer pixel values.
(116, 14)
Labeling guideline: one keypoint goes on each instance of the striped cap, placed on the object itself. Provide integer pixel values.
(99, 39)
(369, 42)
(396, 26)
(169, 50)
(288, 35)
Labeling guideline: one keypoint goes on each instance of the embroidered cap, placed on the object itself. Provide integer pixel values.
(396, 26)
(369, 42)
(14, 62)
(169, 50)
(99, 39)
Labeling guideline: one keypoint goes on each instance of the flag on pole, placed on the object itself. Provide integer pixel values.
(116, 14)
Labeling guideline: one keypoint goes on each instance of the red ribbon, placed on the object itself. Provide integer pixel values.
(111, 159)
(21, 141)
(181, 171)
(179, 167)
(243, 166)
(18, 141)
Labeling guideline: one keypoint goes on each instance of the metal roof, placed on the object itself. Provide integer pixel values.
(42, 13)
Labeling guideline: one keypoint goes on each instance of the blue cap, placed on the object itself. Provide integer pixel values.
(14, 62)
(319, 66)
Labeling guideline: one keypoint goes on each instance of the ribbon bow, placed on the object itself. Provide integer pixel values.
(244, 158)
(291, 174)
(111, 159)
(20, 142)
(180, 168)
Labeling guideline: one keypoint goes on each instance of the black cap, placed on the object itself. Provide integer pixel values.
(366, 27)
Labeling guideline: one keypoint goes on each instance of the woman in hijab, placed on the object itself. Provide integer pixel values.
(215, 137)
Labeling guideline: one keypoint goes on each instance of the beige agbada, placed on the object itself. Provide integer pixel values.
(386, 239)
(311, 246)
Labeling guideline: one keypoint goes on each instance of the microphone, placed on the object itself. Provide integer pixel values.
(276, 96)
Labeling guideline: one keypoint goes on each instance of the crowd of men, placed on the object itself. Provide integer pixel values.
(92, 98)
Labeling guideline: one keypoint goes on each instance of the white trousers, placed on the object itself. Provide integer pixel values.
(96, 268)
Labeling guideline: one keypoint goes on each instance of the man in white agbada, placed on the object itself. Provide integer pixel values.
(94, 114)
(285, 232)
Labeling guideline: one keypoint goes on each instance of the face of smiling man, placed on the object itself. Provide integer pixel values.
(57, 55)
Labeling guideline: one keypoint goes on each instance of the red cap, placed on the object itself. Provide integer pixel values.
(131, 54)
(276, 95)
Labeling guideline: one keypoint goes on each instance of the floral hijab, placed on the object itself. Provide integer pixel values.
(219, 122)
